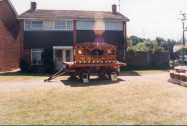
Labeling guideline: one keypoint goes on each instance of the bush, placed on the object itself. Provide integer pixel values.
(140, 47)
(24, 65)
(146, 47)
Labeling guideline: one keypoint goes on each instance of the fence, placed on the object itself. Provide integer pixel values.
(147, 59)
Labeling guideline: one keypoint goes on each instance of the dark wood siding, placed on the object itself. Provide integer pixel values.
(45, 39)
(115, 37)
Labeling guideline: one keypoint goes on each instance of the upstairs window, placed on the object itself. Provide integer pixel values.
(64, 25)
(37, 25)
(85, 25)
(60, 25)
(114, 26)
(27, 25)
(33, 25)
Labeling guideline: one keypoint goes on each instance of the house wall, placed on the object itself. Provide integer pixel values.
(9, 38)
(47, 37)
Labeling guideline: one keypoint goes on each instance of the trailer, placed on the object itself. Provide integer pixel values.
(92, 58)
(179, 75)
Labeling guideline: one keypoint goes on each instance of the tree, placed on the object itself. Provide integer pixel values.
(160, 40)
(148, 46)
(134, 39)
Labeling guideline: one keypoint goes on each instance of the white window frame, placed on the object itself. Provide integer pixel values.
(109, 25)
(85, 24)
(29, 26)
(50, 25)
(37, 28)
(38, 51)
(63, 48)
(113, 26)
(67, 25)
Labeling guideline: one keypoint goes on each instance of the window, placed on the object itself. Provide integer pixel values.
(69, 25)
(64, 25)
(85, 25)
(33, 25)
(114, 26)
(27, 25)
(60, 25)
(37, 25)
(68, 55)
(100, 25)
(36, 56)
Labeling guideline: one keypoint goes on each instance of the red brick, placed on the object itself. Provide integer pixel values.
(10, 46)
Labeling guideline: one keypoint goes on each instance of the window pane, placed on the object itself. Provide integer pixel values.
(37, 56)
(27, 25)
(59, 55)
(85, 25)
(69, 25)
(60, 25)
(37, 24)
(117, 26)
(68, 55)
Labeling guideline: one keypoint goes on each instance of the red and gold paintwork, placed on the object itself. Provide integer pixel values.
(98, 58)
(83, 59)
(179, 75)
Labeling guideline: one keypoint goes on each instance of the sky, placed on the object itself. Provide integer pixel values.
(148, 18)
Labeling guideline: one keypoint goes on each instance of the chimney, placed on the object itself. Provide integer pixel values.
(114, 9)
(33, 6)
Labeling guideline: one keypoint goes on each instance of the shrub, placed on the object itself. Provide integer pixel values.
(24, 65)
(146, 47)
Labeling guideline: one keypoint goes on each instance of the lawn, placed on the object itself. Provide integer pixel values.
(127, 102)
(15, 76)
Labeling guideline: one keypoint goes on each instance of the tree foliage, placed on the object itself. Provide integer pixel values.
(146, 45)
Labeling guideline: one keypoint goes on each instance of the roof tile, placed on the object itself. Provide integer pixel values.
(71, 14)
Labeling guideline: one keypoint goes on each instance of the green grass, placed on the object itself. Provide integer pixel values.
(19, 76)
(129, 102)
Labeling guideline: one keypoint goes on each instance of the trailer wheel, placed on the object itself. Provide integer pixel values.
(102, 75)
(114, 76)
(73, 77)
(85, 78)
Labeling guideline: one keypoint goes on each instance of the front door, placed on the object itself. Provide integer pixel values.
(62, 55)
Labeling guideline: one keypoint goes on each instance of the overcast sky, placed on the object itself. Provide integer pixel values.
(148, 18)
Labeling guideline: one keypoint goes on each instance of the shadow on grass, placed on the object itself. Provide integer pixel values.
(18, 73)
(93, 82)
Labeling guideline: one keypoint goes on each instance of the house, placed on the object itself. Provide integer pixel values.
(60, 30)
(10, 37)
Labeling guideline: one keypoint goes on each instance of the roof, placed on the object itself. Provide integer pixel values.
(71, 14)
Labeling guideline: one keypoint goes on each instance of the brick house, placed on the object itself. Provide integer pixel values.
(10, 46)
(61, 29)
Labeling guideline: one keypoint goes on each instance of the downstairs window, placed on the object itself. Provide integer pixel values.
(36, 56)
